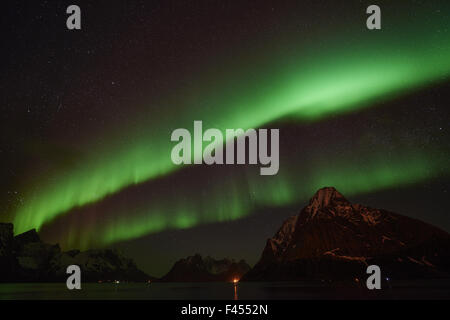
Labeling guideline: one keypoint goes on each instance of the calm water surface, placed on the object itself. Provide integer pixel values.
(436, 289)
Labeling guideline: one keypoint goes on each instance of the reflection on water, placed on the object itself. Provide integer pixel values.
(435, 289)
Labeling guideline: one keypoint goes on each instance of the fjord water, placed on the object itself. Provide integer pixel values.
(421, 289)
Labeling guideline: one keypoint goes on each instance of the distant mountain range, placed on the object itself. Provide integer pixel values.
(332, 238)
(25, 258)
(198, 269)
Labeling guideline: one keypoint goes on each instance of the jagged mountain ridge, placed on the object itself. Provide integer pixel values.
(333, 238)
(198, 269)
(25, 258)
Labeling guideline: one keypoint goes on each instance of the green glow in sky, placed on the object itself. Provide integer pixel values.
(331, 77)
(239, 197)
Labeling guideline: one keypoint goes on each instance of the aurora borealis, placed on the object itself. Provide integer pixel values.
(98, 170)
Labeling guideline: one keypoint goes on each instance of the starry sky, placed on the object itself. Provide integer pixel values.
(87, 117)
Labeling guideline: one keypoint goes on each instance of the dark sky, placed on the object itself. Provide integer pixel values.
(87, 116)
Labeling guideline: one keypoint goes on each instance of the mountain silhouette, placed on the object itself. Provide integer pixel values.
(333, 239)
(26, 258)
(198, 269)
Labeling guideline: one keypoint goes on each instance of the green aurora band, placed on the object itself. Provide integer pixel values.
(281, 192)
(297, 83)
(241, 196)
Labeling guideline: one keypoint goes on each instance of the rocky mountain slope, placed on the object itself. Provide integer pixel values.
(25, 258)
(198, 269)
(332, 238)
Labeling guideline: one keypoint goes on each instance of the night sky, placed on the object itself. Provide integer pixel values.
(86, 118)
